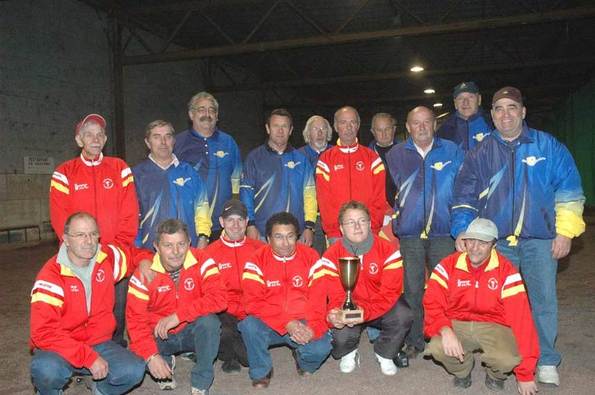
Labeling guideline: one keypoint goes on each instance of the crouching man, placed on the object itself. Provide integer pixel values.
(72, 319)
(279, 304)
(176, 311)
(476, 300)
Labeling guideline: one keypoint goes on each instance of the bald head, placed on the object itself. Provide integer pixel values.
(347, 124)
(421, 124)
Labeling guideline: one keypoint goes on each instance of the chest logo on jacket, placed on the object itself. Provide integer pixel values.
(480, 136)
(493, 284)
(440, 165)
(74, 288)
(373, 268)
(297, 281)
(359, 165)
(108, 183)
(163, 288)
(181, 181)
(291, 164)
(463, 283)
(100, 276)
(338, 167)
(532, 161)
(273, 283)
(224, 266)
(78, 187)
(189, 284)
(221, 154)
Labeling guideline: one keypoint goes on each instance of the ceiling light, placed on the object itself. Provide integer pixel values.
(417, 69)
(437, 105)
(429, 91)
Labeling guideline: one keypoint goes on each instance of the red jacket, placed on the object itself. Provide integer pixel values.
(104, 188)
(199, 292)
(379, 284)
(276, 289)
(345, 173)
(231, 256)
(60, 321)
(494, 292)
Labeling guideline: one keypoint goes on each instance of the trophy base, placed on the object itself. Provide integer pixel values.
(351, 315)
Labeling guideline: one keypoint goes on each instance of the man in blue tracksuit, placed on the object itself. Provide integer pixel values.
(423, 169)
(526, 182)
(213, 153)
(277, 177)
(469, 125)
(168, 188)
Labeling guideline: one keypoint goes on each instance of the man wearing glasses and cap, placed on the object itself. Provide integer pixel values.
(469, 125)
(476, 300)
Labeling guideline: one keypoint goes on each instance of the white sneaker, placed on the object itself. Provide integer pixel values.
(349, 362)
(387, 366)
(196, 391)
(548, 374)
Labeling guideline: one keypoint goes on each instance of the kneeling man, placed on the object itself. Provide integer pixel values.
(176, 311)
(279, 305)
(72, 319)
(476, 300)
(377, 291)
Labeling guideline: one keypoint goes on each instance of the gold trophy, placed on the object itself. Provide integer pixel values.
(348, 272)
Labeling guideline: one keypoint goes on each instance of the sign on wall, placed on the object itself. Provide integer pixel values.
(39, 164)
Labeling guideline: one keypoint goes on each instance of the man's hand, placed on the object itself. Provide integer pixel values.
(308, 237)
(561, 246)
(203, 242)
(334, 318)
(451, 344)
(299, 332)
(158, 368)
(99, 369)
(460, 243)
(527, 387)
(252, 232)
(165, 324)
(355, 321)
(145, 272)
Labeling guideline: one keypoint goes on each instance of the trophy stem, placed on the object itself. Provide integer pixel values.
(349, 305)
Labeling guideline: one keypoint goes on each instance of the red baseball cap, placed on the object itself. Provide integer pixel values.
(98, 119)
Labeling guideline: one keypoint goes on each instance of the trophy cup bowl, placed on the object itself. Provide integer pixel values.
(348, 273)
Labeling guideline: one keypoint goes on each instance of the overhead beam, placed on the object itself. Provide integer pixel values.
(345, 38)
(402, 74)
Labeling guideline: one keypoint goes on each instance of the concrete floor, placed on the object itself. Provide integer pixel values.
(18, 267)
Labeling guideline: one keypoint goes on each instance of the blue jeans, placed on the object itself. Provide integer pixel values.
(50, 372)
(533, 258)
(258, 337)
(201, 337)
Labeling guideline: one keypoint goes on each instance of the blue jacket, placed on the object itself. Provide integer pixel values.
(217, 160)
(530, 188)
(312, 154)
(177, 192)
(466, 133)
(273, 182)
(424, 187)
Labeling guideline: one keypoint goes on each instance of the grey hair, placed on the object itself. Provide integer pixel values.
(345, 108)
(392, 119)
(200, 96)
(327, 125)
(155, 124)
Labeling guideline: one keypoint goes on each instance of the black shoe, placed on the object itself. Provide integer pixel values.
(411, 351)
(465, 382)
(231, 367)
(401, 360)
(494, 384)
(263, 382)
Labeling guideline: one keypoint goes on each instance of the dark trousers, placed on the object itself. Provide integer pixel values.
(393, 325)
(121, 291)
(419, 254)
(231, 346)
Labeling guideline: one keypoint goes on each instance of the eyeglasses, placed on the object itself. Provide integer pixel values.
(82, 235)
(202, 110)
(281, 237)
(362, 222)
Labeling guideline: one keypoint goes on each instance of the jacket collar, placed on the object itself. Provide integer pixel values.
(92, 162)
(289, 148)
(175, 162)
(463, 262)
(64, 261)
(230, 243)
(527, 136)
(348, 149)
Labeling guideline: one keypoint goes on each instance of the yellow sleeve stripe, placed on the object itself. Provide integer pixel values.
(210, 272)
(138, 294)
(59, 187)
(127, 181)
(513, 291)
(123, 264)
(323, 174)
(394, 265)
(252, 276)
(439, 280)
(484, 193)
(41, 297)
(378, 169)
(322, 273)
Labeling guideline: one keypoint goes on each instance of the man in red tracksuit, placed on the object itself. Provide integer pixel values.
(477, 300)
(176, 311)
(377, 291)
(72, 319)
(279, 303)
(231, 252)
(349, 171)
(103, 187)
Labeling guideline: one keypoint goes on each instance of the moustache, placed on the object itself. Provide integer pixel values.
(205, 118)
